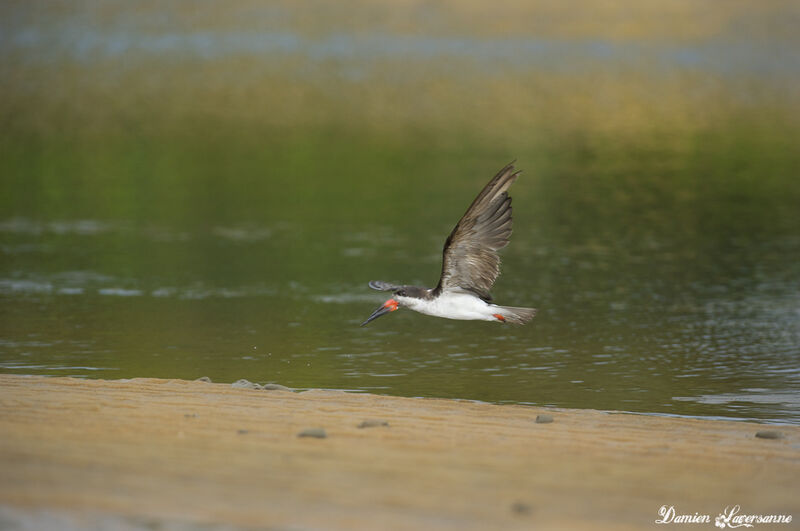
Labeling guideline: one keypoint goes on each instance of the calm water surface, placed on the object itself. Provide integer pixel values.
(635, 315)
(665, 265)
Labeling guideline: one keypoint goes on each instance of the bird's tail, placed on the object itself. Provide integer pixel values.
(512, 314)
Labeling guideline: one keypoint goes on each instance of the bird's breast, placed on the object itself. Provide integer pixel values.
(452, 306)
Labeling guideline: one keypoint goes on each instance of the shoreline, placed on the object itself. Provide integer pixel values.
(196, 454)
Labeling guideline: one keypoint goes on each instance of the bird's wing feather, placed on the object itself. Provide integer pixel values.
(470, 260)
(380, 285)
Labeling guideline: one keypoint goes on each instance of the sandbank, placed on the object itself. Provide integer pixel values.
(186, 454)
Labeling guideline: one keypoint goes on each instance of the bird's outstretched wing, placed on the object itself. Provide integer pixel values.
(470, 260)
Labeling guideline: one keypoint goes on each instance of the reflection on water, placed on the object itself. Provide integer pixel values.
(208, 195)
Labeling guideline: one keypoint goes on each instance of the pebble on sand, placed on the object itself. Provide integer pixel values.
(275, 387)
(204, 379)
(245, 384)
(373, 423)
(769, 434)
(317, 433)
(519, 507)
(544, 419)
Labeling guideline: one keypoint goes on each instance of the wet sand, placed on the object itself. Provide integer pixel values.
(176, 454)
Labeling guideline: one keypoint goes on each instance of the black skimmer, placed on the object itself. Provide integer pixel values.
(470, 264)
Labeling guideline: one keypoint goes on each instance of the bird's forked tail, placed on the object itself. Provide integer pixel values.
(513, 314)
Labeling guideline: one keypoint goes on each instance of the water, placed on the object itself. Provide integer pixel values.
(155, 226)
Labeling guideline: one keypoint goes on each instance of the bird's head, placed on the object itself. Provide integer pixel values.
(388, 306)
(401, 296)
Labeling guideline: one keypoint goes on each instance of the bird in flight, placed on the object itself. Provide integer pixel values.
(470, 264)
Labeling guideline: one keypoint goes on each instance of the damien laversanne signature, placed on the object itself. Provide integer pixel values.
(731, 518)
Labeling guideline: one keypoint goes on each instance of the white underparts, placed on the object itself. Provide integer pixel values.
(454, 305)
